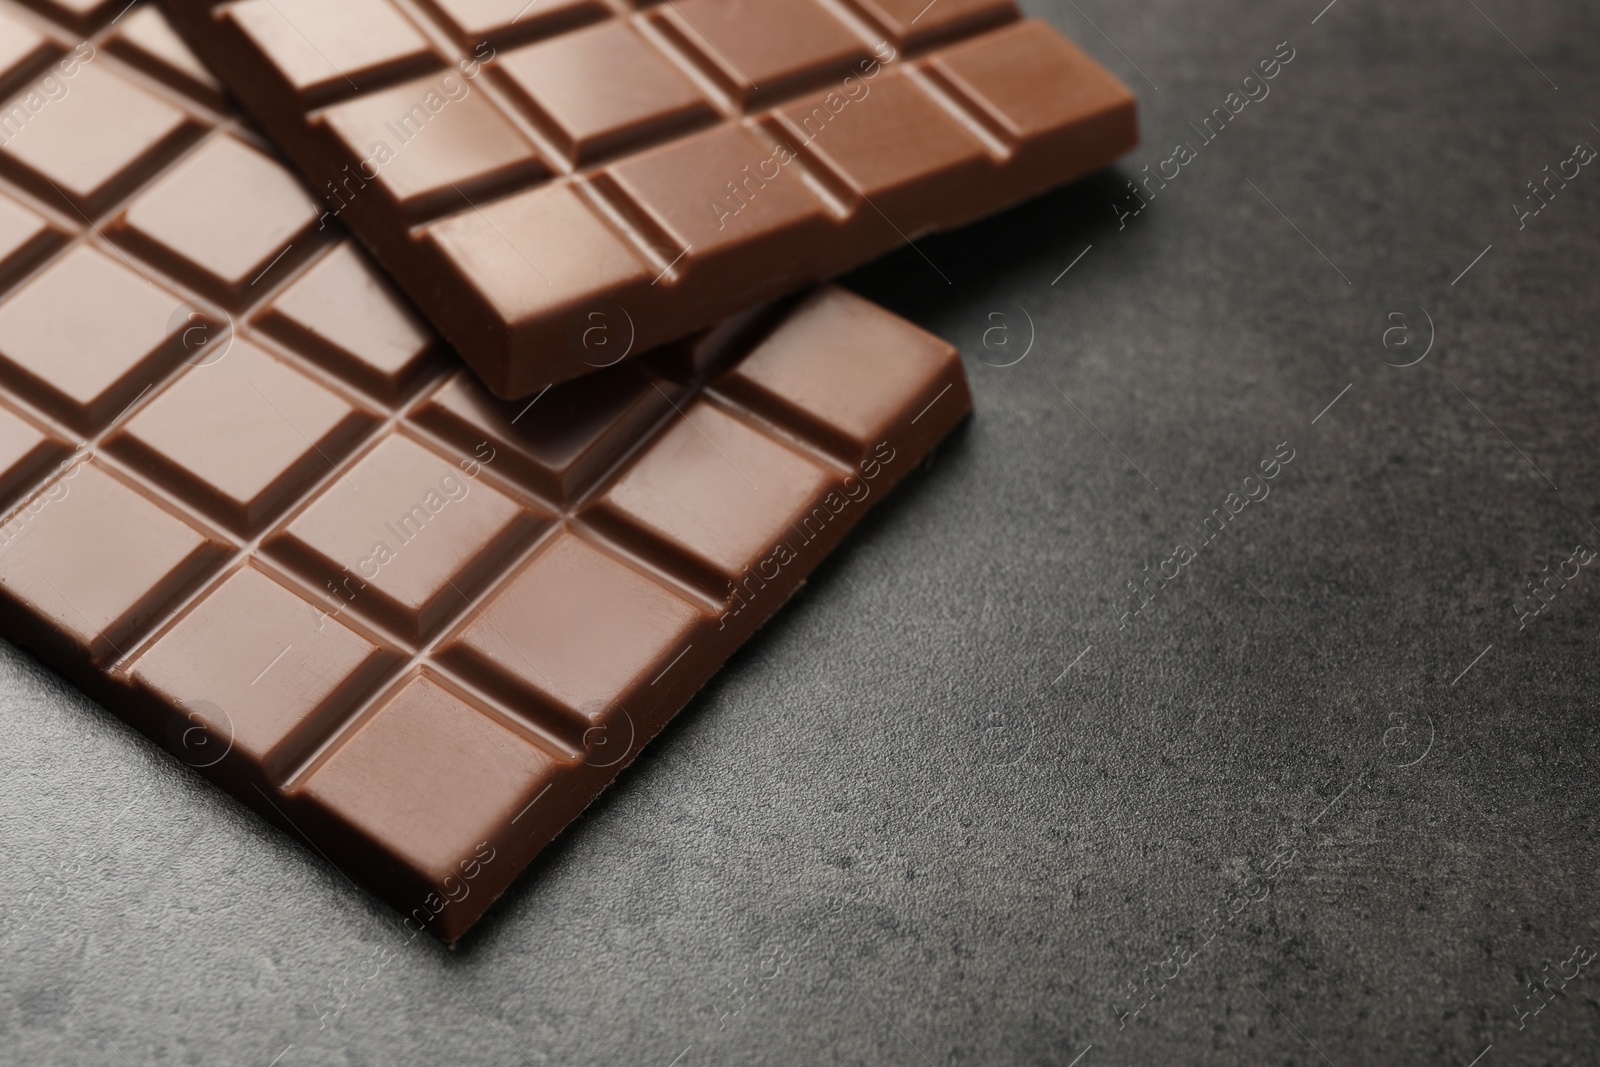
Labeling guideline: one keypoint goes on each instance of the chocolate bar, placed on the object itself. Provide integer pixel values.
(558, 184)
(253, 506)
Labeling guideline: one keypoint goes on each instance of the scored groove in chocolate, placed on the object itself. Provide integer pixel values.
(521, 168)
(252, 505)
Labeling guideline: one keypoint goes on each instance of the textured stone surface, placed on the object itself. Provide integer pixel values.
(892, 815)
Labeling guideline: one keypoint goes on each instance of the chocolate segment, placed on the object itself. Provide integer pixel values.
(252, 505)
(530, 172)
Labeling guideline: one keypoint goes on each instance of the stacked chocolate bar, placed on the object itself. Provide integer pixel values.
(420, 613)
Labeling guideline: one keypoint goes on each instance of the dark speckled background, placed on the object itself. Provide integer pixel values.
(1322, 801)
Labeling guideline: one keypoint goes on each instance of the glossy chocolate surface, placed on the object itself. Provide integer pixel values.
(558, 182)
(252, 504)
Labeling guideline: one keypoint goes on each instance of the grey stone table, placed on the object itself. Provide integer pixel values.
(1323, 793)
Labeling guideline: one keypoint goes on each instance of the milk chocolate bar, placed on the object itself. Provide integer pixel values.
(558, 182)
(251, 504)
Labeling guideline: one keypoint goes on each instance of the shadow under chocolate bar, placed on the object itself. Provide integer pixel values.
(528, 171)
(252, 505)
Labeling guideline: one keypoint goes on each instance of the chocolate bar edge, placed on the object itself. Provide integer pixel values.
(657, 316)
